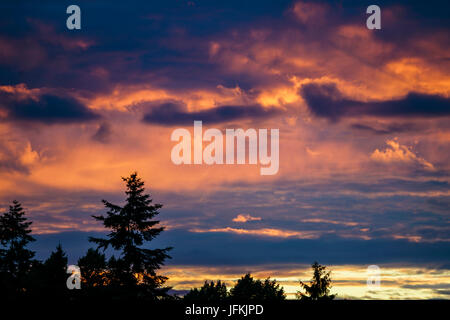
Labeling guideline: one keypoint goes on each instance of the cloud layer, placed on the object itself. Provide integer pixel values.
(326, 101)
(363, 118)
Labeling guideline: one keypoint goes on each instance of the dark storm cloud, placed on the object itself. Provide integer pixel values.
(234, 250)
(225, 249)
(167, 42)
(390, 128)
(136, 41)
(326, 101)
(176, 114)
(46, 109)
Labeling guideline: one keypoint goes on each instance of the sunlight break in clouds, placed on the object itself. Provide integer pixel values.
(349, 281)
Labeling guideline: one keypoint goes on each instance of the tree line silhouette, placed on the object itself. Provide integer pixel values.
(133, 274)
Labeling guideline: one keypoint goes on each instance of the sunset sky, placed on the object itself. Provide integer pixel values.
(363, 116)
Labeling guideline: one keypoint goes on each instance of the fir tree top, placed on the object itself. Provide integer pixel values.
(14, 226)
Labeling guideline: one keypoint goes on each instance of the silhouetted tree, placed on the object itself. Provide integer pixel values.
(319, 286)
(208, 292)
(15, 258)
(36, 279)
(248, 288)
(135, 269)
(54, 273)
(93, 269)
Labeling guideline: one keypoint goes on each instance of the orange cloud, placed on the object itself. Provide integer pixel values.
(265, 232)
(21, 91)
(245, 217)
(397, 153)
(125, 97)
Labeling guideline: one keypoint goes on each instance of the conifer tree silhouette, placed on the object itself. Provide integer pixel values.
(93, 269)
(319, 286)
(208, 292)
(248, 288)
(15, 258)
(135, 270)
(54, 273)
